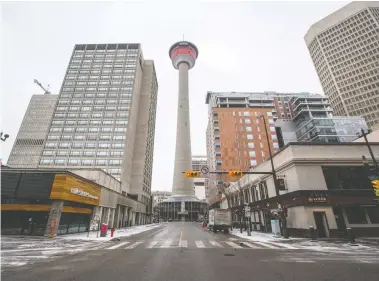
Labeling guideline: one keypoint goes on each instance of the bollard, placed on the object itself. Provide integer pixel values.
(351, 237)
(312, 234)
(112, 232)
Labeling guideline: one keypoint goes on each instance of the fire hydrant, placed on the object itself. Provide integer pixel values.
(112, 232)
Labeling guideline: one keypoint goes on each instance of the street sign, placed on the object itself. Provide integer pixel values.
(204, 171)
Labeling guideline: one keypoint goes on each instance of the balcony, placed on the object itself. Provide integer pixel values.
(311, 104)
(299, 112)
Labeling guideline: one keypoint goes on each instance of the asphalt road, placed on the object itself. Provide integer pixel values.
(186, 251)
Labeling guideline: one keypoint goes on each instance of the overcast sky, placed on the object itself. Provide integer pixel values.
(246, 46)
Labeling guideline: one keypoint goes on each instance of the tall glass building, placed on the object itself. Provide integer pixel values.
(105, 116)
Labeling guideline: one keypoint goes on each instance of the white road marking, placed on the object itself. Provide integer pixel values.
(118, 245)
(232, 244)
(265, 245)
(152, 244)
(166, 244)
(199, 244)
(183, 244)
(216, 244)
(250, 245)
(134, 245)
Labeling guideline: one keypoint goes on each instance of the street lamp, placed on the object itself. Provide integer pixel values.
(3, 138)
(271, 159)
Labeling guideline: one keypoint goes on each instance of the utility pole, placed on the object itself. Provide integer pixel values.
(271, 160)
(364, 135)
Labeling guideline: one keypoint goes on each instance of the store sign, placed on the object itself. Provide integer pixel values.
(70, 188)
(317, 198)
(83, 193)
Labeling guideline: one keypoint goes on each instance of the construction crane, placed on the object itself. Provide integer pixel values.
(47, 92)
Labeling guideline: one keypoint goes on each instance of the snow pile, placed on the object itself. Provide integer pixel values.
(122, 232)
(259, 236)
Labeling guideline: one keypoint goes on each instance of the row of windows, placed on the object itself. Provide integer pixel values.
(101, 59)
(89, 137)
(86, 153)
(109, 52)
(65, 98)
(67, 145)
(100, 83)
(96, 89)
(81, 162)
(98, 65)
(87, 122)
(94, 108)
(90, 129)
(102, 71)
(97, 77)
(93, 115)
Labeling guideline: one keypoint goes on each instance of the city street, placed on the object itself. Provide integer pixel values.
(186, 251)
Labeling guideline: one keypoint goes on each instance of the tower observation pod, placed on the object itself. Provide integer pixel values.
(183, 55)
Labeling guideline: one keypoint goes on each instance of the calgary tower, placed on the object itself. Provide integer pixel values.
(183, 55)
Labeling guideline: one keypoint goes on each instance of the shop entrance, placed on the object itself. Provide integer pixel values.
(321, 224)
(338, 214)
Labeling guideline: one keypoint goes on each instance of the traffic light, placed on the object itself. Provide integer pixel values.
(375, 185)
(235, 173)
(192, 174)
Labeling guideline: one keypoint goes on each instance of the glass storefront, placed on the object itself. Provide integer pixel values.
(172, 208)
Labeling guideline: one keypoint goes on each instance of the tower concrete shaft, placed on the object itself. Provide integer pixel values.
(183, 154)
(183, 55)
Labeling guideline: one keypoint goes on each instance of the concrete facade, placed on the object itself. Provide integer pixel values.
(105, 117)
(31, 136)
(302, 168)
(344, 50)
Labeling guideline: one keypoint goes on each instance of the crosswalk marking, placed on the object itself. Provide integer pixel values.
(166, 244)
(134, 245)
(183, 244)
(118, 245)
(216, 244)
(232, 244)
(199, 244)
(265, 245)
(152, 244)
(250, 245)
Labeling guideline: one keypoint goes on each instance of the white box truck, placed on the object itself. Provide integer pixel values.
(219, 219)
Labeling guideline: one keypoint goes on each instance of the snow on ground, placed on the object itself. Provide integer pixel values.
(259, 236)
(23, 250)
(122, 232)
(305, 244)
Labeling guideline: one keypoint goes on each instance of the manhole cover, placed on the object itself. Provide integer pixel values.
(229, 255)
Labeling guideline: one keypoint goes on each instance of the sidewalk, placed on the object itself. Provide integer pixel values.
(122, 232)
(322, 244)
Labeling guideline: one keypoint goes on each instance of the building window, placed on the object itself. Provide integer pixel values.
(249, 136)
(253, 162)
(250, 144)
(355, 215)
(276, 145)
(373, 213)
(248, 129)
(252, 153)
